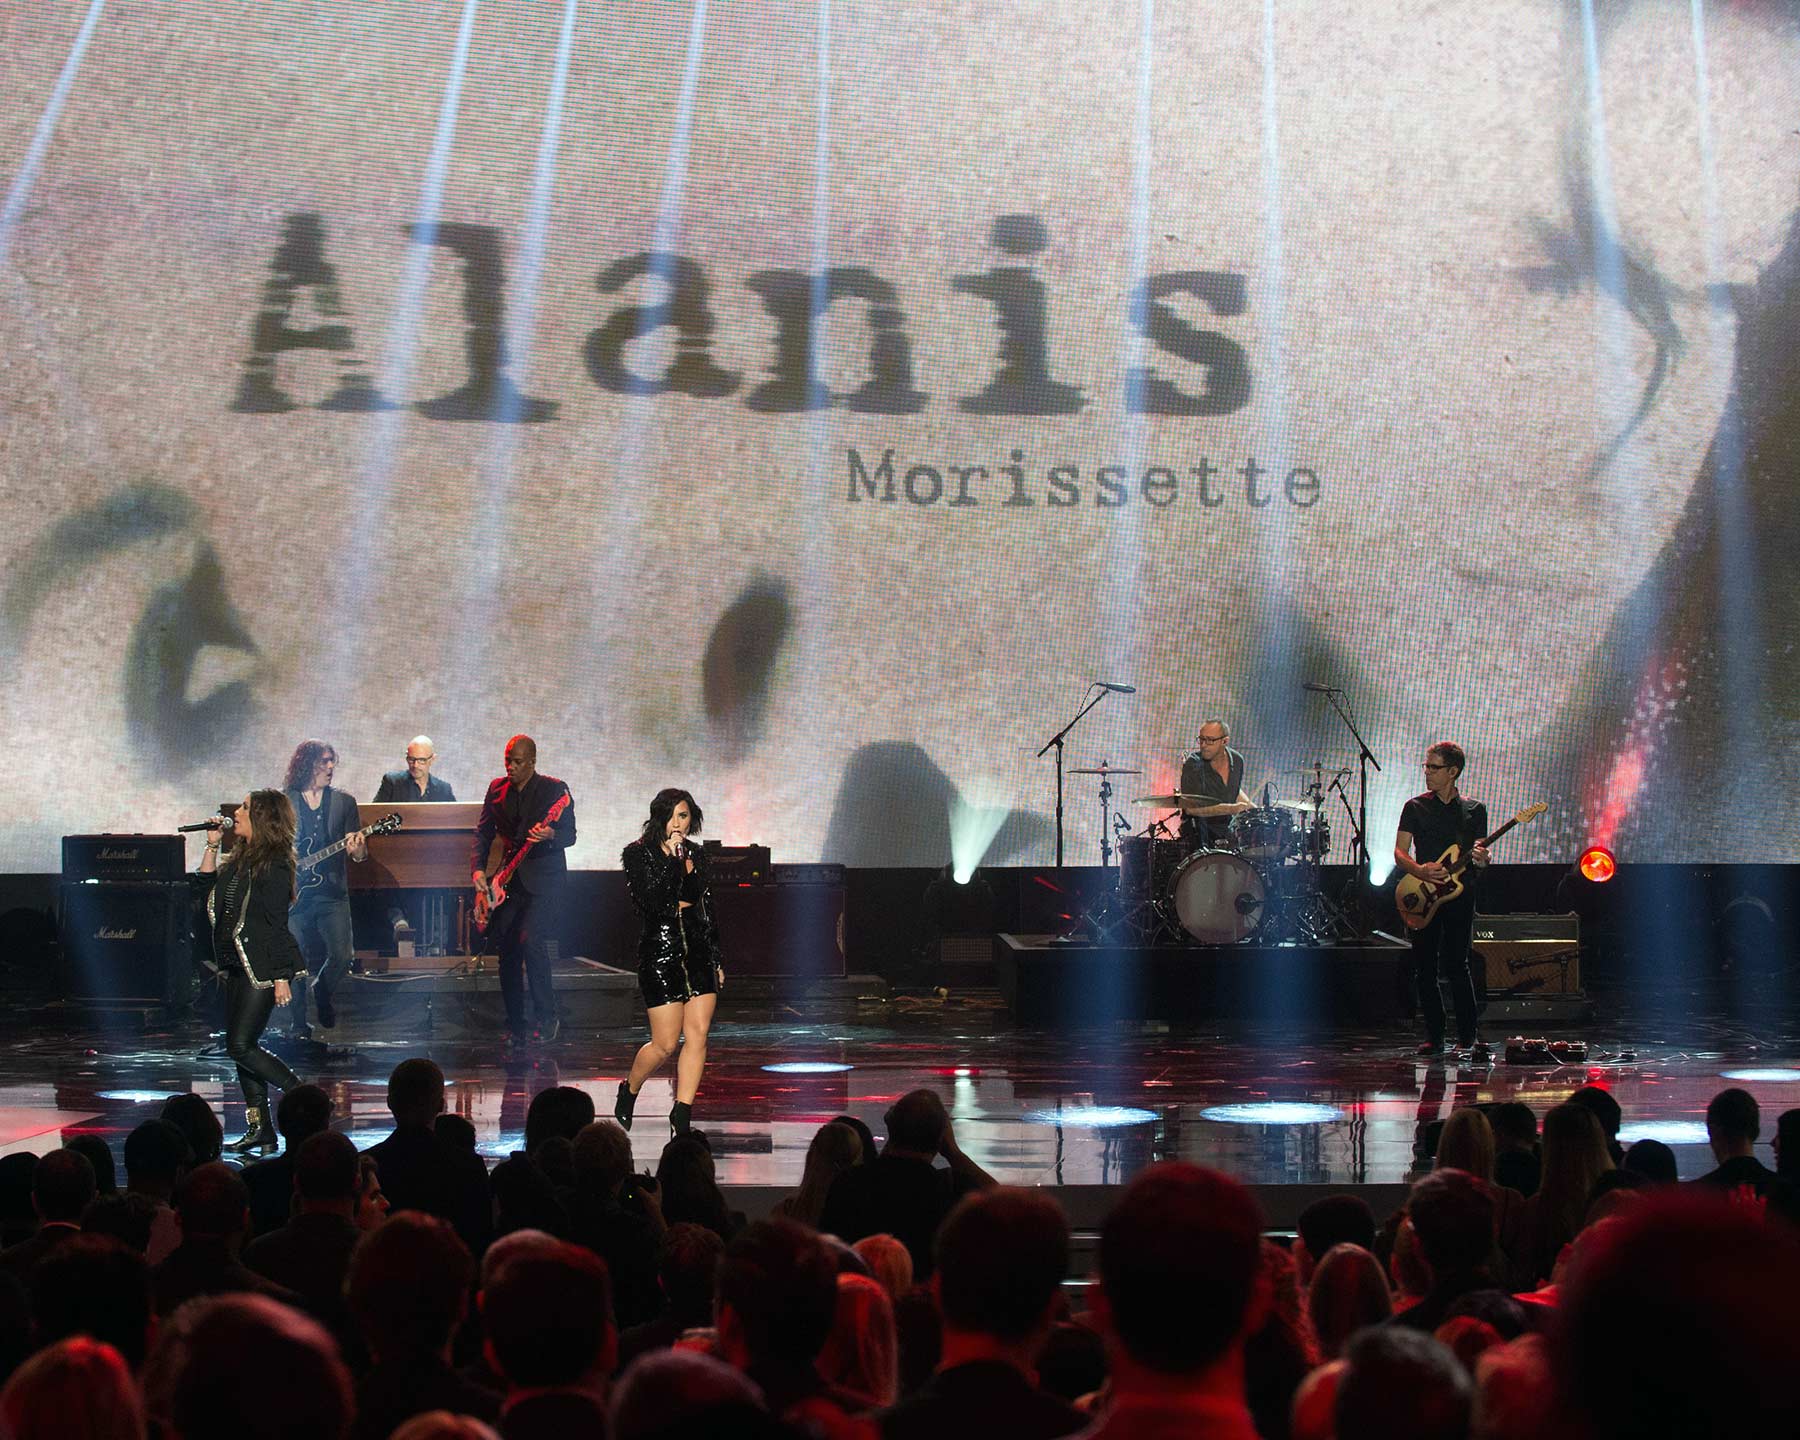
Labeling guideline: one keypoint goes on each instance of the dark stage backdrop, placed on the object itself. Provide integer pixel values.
(804, 403)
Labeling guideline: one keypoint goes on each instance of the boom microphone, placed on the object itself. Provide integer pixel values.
(1117, 689)
(1314, 685)
(218, 822)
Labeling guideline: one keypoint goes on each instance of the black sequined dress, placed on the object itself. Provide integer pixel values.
(678, 951)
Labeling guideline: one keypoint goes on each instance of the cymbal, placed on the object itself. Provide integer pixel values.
(1106, 770)
(1185, 803)
(1305, 807)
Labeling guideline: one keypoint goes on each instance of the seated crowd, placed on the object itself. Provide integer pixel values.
(1531, 1286)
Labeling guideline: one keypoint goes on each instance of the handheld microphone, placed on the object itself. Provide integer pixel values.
(218, 822)
(1315, 686)
(1117, 689)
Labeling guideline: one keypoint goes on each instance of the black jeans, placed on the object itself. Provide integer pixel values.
(520, 928)
(247, 1011)
(1442, 948)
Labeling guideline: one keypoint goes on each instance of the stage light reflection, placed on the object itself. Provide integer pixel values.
(807, 1067)
(1091, 1117)
(140, 1097)
(1670, 1132)
(503, 1146)
(1765, 1075)
(1272, 1112)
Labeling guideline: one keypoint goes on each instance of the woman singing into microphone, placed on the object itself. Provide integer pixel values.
(247, 899)
(680, 966)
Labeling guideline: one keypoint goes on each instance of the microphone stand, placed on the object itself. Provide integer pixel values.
(1365, 757)
(1056, 741)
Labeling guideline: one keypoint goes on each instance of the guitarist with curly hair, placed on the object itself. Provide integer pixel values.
(1429, 826)
(523, 809)
(326, 819)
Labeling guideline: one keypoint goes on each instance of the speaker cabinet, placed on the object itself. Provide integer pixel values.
(121, 941)
(790, 931)
(1527, 955)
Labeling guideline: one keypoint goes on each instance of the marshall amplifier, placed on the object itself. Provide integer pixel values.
(813, 874)
(737, 864)
(123, 941)
(123, 857)
(1526, 955)
(786, 930)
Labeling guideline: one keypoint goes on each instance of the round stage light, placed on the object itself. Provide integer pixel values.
(1767, 1075)
(141, 1097)
(1598, 864)
(1670, 1132)
(1272, 1112)
(807, 1067)
(1092, 1117)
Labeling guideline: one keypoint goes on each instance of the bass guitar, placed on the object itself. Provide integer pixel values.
(309, 876)
(1419, 900)
(493, 895)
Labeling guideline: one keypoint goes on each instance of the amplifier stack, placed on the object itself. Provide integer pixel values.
(124, 922)
(777, 921)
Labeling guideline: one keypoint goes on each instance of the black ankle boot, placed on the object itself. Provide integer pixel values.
(624, 1105)
(259, 1134)
(680, 1113)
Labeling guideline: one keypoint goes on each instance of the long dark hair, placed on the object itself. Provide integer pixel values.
(690, 1192)
(661, 808)
(271, 839)
(307, 755)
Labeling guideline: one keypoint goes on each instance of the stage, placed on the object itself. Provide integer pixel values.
(1290, 1111)
(1048, 980)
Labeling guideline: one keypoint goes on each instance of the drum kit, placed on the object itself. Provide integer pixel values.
(1238, 876)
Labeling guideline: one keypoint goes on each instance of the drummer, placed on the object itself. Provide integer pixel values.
(1212, 780)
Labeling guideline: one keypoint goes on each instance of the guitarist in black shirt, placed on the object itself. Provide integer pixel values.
(1429, 825)
(320, 919)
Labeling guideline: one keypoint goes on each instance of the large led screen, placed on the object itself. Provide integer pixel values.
(806, 404)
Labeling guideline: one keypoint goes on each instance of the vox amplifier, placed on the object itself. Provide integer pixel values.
(1529, 954)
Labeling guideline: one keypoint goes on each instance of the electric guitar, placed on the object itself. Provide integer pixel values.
(1419, 900)
(309, 877)
(493, 896)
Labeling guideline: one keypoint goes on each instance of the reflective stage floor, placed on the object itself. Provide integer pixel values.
(1338, 1108)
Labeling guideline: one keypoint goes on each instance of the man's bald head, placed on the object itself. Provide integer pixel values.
(421, 748)
(521, 759)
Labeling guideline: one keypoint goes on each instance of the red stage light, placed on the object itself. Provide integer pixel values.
(1597, 864)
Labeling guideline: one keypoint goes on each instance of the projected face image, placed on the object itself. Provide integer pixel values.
(824, 466)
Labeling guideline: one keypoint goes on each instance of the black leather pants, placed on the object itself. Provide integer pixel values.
(247, 1011)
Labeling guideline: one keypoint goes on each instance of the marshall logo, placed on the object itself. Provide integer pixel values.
(107, 932)
(109, 853)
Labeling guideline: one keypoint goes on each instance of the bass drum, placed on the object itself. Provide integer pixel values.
(1218, 897)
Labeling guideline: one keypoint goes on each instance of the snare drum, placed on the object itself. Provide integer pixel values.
(1265, 835)
(1218, 897)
